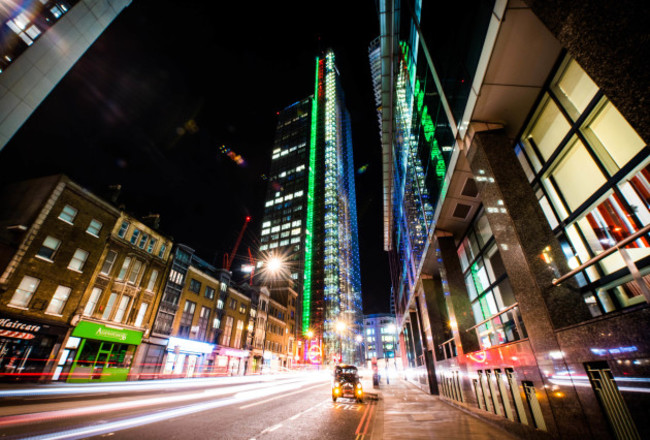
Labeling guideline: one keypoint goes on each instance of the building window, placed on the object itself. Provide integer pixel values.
(124, 269)
(186, 318)
(142, 311)
(209, 292)
(152, 280)
(161, 252)
(94, 227)
(195, 286)
(68, 214)
(143, 241)
(152, 244)
(233, 304)
(135, 272)
(204, 318)
(58, 300)
(123, 228)
(108, 263)
(122, 308)
(219, 304)
(92, 301)
(135, 236)
(109, 306)
(227, 331)
(78, 260)
(240, 328)
(48, 248)
(24, 291)
(242, 308)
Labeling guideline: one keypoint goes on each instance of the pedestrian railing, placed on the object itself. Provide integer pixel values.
(449, 349)
(501, 328)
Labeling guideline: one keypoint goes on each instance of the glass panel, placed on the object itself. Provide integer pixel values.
(494, 263)
(574, 89)
(636, 191)
(24, 291)
(92, 301)
(548, 129)
(612, 137)
(121, 309)
(530, 174)
(504, 295)
(109, 306)
(577, 175)
(58, 300)
(483, 230)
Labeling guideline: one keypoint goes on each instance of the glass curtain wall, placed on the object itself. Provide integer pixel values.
(591, 174)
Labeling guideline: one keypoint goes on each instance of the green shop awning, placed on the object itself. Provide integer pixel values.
(101, 332)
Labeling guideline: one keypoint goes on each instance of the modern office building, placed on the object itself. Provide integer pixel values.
(517, 204)
(310, 215)
(40, 41)
(380, 339)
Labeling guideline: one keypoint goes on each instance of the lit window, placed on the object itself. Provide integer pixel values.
(295, 231)
(24, 292)
(135, 236)
(109, 306)
(121, 308)
(108, 262)
(94, 227)
(48, 248)
(266, 224)
(161, 252)
(141, 312)
(58, 301)
(92, 301)
(152, 244)
(78, 260)
(265, 231)
(298, 194)
(143, 241)
(152, 280)
(125, 267)
(68, 214)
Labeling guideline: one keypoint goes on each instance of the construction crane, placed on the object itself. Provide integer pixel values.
(227, 260)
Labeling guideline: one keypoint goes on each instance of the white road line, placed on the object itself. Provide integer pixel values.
(280, 396)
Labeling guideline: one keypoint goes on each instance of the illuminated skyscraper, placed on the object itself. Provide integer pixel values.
(310, 214)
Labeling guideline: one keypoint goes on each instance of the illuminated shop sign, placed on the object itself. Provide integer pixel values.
(616, 350)
(187, 345)
(19, 325)
(101, 332)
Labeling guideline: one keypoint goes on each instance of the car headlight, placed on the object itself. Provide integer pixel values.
(359, 385)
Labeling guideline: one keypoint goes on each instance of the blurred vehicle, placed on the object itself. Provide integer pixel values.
(346, 383)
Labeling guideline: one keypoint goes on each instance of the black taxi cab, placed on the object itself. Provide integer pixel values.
(346, 383)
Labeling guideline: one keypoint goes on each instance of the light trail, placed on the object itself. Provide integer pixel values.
(133, 422)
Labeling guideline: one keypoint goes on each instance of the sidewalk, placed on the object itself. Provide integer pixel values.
(405, 411)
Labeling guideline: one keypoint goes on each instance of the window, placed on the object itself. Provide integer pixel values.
(186, 318)
(48, 248)
(58, 300)
(240, 328)
(109, 306)
(94, 227)
(242, 308)
(152, 280)
(161, 252)
(141, 313)
(108, 263)
(121, 308)
(209, 292)
(204, 318)
(92, 301)
(233, 304)
(574, 89)
(143, 241)
(78, 260)
(152, 244)
(123, 228)
(227, 331)
(195, 286)
(68, 214)
(135, 236)
(220, 304)
(24, 291)
(135, 271)
(124, 269)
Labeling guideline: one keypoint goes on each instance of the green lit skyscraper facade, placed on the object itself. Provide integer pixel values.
(314, 142)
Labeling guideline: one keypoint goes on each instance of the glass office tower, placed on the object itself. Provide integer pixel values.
(310, 214)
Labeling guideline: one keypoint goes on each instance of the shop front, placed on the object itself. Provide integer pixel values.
(27, 348)
(186, 358)
(232, 361)
(100, 352)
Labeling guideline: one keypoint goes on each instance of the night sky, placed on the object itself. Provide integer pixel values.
(153, 101)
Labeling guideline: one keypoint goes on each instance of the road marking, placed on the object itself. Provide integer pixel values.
(365, 420)
(280, 396)
(272, 428)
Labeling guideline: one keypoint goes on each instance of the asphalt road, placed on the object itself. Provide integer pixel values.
(292, 406)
